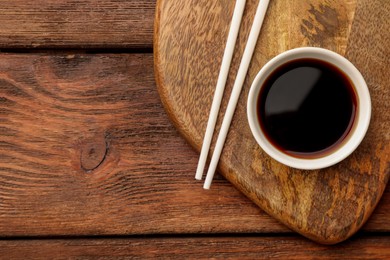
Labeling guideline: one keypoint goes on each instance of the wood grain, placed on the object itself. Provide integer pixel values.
(76, 24)
(195, 248)
(328, 205)
(61, 175)
(87, 149)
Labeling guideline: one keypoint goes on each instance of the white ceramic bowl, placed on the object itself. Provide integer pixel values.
(361, 122)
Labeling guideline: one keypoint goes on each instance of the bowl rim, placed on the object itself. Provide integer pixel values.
(361, 123)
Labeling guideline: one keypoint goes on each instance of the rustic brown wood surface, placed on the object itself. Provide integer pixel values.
(197, 248)
(86, 149)
(76, 24)
(326, 205)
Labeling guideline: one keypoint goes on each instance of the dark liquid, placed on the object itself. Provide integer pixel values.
(307, 107)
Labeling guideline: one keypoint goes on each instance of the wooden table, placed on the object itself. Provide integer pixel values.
(91, 166)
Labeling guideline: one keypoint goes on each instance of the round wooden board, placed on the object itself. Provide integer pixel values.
(327, 205)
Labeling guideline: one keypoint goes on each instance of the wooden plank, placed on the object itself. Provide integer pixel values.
(76, 24)
(87, 149)
(196, 248)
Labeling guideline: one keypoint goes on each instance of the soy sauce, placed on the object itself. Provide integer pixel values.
(307, 107)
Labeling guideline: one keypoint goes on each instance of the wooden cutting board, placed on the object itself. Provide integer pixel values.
(327, 205)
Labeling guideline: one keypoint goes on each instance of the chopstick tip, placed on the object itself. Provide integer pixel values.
(206, 186)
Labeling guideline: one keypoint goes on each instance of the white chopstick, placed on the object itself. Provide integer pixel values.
(241, 75)
(223, 74)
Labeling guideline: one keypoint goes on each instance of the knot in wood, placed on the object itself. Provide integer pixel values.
(93, 153)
